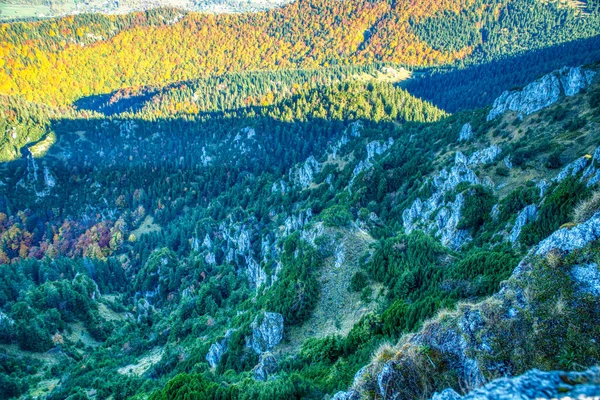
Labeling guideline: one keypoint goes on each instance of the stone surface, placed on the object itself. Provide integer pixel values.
(466, 133)
(485, 156)
(267, 366)
(572, 169)
(543, 92)
(304, 173)
(535, 384)
(587, 277)
(267, 332)
(568, 239)
(527, 215)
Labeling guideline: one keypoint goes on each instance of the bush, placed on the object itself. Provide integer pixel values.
(359, 281)
(586, 208)
(336, 216)
(476, 209)
(553, 161)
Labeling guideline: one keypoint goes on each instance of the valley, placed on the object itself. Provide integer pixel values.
(322, 200)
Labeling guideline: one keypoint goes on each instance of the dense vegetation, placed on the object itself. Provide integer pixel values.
(167, 177)
(59, 61)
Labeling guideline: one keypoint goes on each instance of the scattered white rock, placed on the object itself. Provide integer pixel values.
(542, 92)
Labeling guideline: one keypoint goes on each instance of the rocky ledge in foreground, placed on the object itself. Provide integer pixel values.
(535, 384)
(543, 317)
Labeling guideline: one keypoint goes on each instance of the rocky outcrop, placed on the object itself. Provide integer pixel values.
(267, 366)
(267, 332)
(535, 384)
(255, 273)
(588, 278)
(217, 350)
(466, 133)
(592, 172)
(572, 169)
(527, 215)
(568, 239)
(543, 187)
(438, 217)
(303, 174)
(543, 92)
(374, 149)
(482, 341)
(485, 156)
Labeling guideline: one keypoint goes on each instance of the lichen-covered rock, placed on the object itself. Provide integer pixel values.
(535, 384)
(568, 239)
(527, 215)
(267, 332)
(543, 92)
(267, 366)
(587, 277)
(217, 350)
(466, 133)
(303, 174)
(572, 169)
(485, 156)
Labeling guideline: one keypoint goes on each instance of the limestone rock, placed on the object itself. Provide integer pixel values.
(303, 174)
(572, 169)
(587, 277)
(542, 92)
(568, 239)
(485, 156)
(527, 215)
(267, 365)
(255, 273)
(267, 332)
(543, 187)
(217, 350)
(535, 384)
(466, 133)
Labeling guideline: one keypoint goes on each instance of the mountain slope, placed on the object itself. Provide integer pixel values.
(59, 61)
(193, 255)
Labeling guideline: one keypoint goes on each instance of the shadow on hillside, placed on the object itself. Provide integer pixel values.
(479, 85)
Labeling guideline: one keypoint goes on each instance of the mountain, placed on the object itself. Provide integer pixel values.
(327, 200)
(59, 61)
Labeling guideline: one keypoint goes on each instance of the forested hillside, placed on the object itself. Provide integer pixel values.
(327, 200)
(175, 257)
(58, 61)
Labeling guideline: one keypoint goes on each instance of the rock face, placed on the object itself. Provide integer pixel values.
(568, 239)
(267, 332)
(527, 215)
(438, 217)
(304, 173)
(535, 384)
(217, 350)
(374, 149)
(572, 169)
(485, 156)
(482, 340)
(267, 365)
(466, 133)
(542, 93)
(588, 278)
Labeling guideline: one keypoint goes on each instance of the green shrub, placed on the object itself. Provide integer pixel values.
(359, 281)
(336, 216)
(476, 208)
